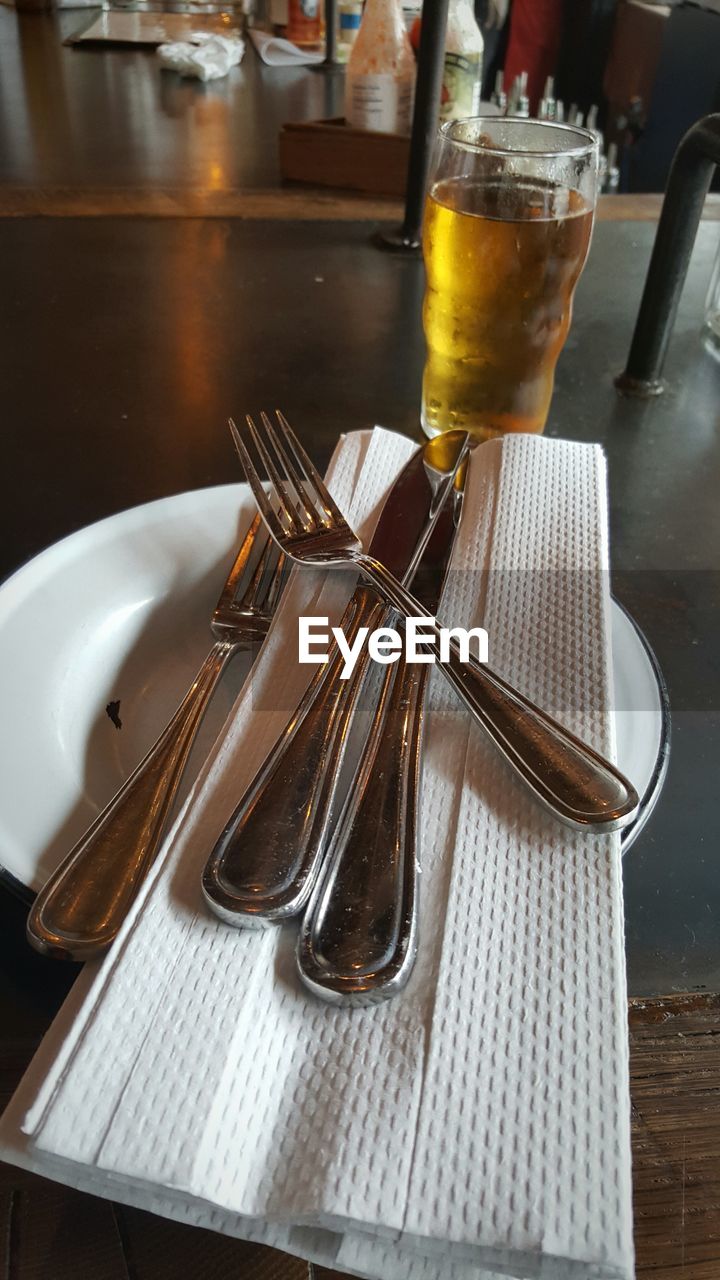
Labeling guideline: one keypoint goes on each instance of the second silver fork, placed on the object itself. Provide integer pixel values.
(78, 912)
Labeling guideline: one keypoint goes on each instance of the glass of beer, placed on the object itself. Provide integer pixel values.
(506, 233)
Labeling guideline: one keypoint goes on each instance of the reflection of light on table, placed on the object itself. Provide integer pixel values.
(194, 286)
(208, 138)
(42, 97)
(216, 176)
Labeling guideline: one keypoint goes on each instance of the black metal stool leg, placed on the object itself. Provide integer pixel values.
(431, 55)
(690, 176)
(330, 61)
(331, 33)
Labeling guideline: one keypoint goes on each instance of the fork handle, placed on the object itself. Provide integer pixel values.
(264, 863)
(572, 781)
(77, 913)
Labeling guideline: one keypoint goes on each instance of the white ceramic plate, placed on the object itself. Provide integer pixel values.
(119, 612)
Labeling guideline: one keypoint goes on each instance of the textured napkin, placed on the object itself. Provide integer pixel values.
(476, 1124)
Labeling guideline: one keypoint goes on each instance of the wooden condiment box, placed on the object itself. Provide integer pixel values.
(328, 153)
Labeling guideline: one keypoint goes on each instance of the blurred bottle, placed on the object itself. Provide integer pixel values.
(411, 14)
(517, 97)
(519, 101)
(611, 177)
(277, 11)
(304, 22)
(380, 78)
(462, 72)
(499, 96)
(591, 123)
(548, 105)
(349, 16)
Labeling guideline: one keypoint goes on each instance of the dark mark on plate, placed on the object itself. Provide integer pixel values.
(113, 710)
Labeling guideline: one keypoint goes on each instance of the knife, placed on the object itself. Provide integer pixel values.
(358, 937)
(263, 866)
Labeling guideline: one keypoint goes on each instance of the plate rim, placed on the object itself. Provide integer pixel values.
(10, 584)
(651, 795)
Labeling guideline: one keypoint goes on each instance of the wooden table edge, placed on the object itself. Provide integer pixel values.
(282, 204)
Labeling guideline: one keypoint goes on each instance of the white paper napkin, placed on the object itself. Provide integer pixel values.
(479, 1122)
(277, 52)
(203, 56)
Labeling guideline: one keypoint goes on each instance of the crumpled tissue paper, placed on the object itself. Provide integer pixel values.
(207, 57)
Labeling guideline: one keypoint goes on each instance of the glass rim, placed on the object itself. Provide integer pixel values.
(480, 148)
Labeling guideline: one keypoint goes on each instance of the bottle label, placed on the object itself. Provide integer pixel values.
(379, 102)
(461, 86)
(310, 9)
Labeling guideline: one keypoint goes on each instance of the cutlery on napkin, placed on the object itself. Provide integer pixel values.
(477, 1123)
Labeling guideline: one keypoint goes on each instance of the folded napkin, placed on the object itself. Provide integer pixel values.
(207, 57)
(478, 1123)
(276, 52)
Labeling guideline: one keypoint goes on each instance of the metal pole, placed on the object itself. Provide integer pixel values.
(331, 33)
(690, 176)
(425, 122)
(329, 62)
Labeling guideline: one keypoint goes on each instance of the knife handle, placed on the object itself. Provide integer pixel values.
(359, 934)
(77, 913)
(263, 866)
(574, 782)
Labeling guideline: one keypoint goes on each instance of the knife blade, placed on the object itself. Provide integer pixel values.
(263, 866)
(358, 937)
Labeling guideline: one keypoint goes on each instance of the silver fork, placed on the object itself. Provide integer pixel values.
(568, 777)
(79, 910)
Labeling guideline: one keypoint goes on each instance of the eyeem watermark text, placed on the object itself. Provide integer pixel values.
(385, 645)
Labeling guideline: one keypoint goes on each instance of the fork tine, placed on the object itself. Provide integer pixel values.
(251, 594)
(279, 483)
(239, 570)
(268, 579)
(297, 480)
(306, 464)
(277, 583)
(271, 521)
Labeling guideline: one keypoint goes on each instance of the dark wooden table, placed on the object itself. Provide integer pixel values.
(124, 344)
(79, 116)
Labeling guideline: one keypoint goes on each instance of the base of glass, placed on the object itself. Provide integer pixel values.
(430, 432)
(478, 434)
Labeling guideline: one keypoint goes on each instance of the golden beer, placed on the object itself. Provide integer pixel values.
(502, 259)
